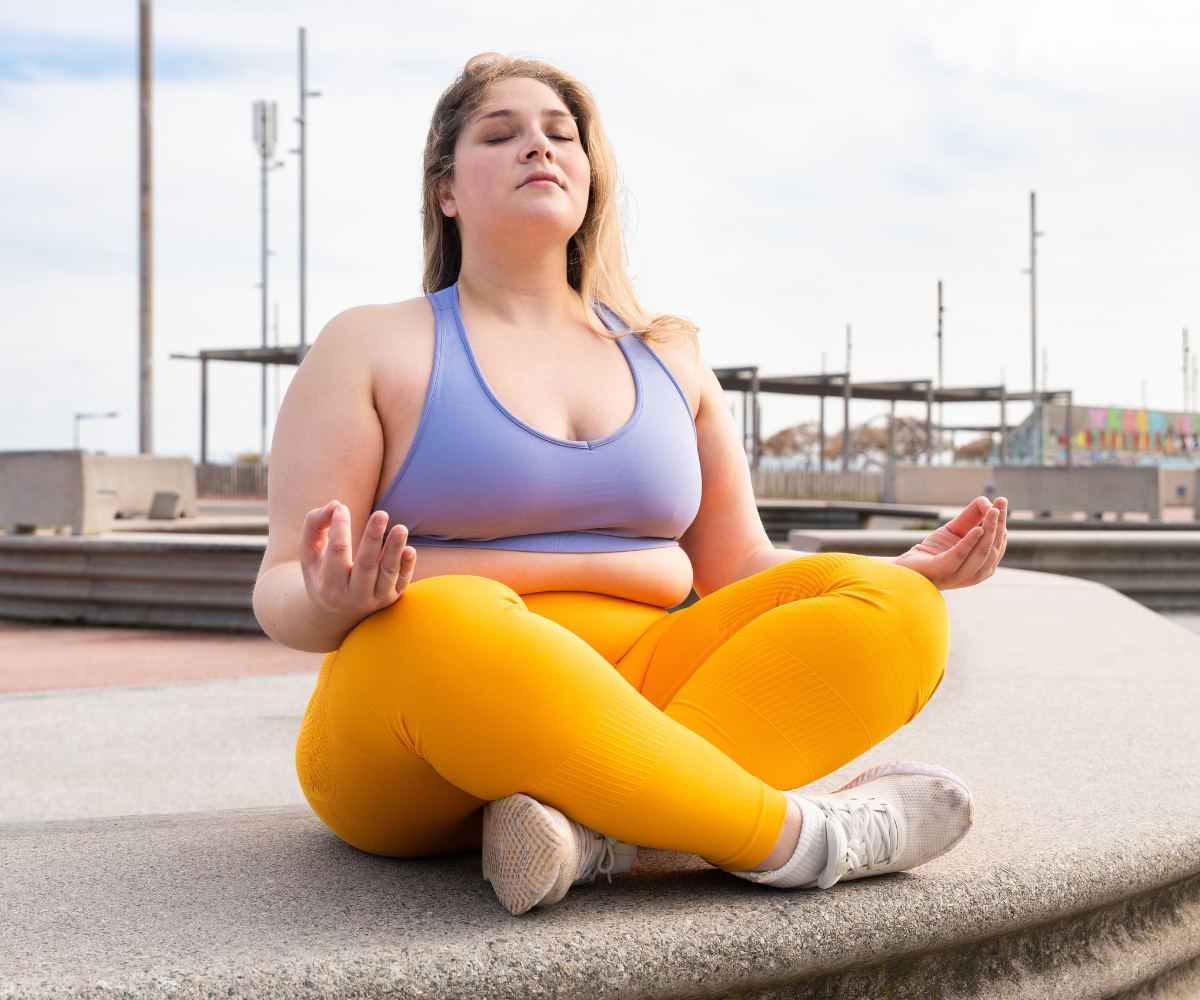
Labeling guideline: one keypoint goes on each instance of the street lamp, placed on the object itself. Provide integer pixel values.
(90, 416)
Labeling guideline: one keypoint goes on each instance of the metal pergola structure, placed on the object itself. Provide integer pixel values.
(254, 355)
(749, 383)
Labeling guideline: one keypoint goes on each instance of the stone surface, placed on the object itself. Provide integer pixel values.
(1070, 709)
(1160, 569)
(156, 748)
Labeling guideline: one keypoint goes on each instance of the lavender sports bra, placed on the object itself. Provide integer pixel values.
(476, 476)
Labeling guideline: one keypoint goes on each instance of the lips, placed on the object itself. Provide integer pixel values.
(541, 175)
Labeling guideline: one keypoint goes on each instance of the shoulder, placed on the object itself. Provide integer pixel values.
(366, 339)
(682, 358)
(363, 326)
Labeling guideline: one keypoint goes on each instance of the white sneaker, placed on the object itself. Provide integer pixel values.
(891, 818)
(532, 853)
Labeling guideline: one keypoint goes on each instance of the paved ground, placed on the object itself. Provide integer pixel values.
(1071, 710)
(48, 657)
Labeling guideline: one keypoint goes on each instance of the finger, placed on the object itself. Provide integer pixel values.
(366, 562)
(389, 561)
(999, 547)
(970, 515)
(313, 534)
(337, 562)
(408, 565)
(946, 564)
(983, 549)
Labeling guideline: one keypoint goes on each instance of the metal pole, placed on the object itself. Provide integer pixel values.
(846, 391)
(928, 423)
(821, 436)
(824, 386)
(203, 411)
(1035, 423)
(1186, 401)
(892, 434)
(265, 148)
(302, 150)
(745, 424)
(1003, 425)
(754, 440)
(75, 436)
(941, 380)
(145, 232)
(1070, 402)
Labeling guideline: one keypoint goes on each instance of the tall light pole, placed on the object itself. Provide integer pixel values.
(301, 151)
(1036, 421)
(145, 233)
(265, 135)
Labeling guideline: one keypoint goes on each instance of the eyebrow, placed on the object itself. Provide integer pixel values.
(507, 113)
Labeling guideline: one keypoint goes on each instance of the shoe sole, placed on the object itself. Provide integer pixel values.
(523, 851)
(928, 771)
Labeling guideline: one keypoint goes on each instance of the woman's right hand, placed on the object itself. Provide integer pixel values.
(349, 587)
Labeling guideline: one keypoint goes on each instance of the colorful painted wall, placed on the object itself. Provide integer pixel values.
(1112, 436)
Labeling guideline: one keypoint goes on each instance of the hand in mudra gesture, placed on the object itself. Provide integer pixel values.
(965, 551)
(347, 585)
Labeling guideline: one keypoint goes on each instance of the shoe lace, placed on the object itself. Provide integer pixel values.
(849, 825)
(600, 859)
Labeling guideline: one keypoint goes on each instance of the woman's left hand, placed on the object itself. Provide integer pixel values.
(963, 552)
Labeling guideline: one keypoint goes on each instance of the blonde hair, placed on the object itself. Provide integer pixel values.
(596, 252)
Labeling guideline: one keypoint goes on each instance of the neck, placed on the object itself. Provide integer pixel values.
(518, 288)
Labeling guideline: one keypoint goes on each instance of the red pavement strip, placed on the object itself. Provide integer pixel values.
(49, 657)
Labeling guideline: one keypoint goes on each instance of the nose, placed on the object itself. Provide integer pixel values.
(538, 147)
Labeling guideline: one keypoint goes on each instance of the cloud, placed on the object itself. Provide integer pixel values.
(794, 167)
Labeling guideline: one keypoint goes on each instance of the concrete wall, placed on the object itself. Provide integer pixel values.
(55, 490)
(1096, 489)
(78, 493)
(1170, 482)
(936, 485)
(136, 478)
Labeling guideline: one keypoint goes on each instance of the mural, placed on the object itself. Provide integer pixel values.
(1112, 436)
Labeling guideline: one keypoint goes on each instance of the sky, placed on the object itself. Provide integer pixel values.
(791, 169)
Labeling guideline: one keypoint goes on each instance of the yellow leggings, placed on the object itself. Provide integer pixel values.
(671, 731)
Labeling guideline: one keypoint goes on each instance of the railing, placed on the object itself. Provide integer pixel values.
(800, 484)
(231, 482)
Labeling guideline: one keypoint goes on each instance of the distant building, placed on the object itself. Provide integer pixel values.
(1110, 436)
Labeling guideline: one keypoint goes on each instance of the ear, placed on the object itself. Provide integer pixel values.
(445, 196)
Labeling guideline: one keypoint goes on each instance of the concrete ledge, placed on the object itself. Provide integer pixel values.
(1159, 570)
(1070, 709)
(165, 581)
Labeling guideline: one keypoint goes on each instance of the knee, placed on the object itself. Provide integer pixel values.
(917, 626)
(896, 617)
(440, 606)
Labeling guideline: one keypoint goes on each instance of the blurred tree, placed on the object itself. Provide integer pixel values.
(979, 450)
(868, 443)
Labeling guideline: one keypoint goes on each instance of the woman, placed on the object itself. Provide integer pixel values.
(558, 466)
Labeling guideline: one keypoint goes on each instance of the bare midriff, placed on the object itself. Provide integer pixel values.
(660, 576)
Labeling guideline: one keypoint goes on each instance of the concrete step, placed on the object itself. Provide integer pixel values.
(1070, 710)
(1158, 569)
(126, 578)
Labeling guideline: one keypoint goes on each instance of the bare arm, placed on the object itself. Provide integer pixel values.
(726, 542)
(329, 562)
